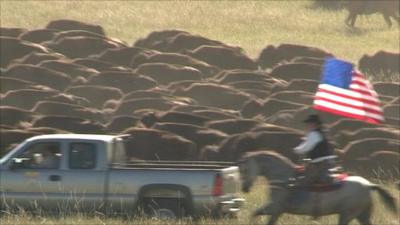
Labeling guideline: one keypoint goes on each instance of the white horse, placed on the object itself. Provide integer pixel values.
(351, 201)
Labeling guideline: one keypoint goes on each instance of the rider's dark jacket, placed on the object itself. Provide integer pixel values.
(316, 147)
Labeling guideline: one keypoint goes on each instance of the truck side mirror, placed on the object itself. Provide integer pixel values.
(17, 163)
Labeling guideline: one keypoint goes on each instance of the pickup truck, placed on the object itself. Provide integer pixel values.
(90, 173)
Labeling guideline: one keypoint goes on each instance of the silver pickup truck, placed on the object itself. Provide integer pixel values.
(88, 173)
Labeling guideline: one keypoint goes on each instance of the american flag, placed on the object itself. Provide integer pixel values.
(346, 92)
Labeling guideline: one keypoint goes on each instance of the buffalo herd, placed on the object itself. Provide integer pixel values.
(182, 96)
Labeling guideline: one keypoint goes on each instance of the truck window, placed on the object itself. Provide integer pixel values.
(82, 156)
(44, 155)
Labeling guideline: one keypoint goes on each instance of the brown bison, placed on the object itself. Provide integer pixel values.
(150, 144)
(11, 84)
(229, 76)
(80, 47)
(125, 81)
(232, 148)
(73, 70)
(12, 48)
(121, 123)
(158, 39)
(177, 59)
(233, 126)
(199, 135)
(166, 73)
(388, 8)
(9, 138)
(99, 65)
(291, 71)
(345, 137)
(97, 95)
(35, 58)
(64, 109)
(39, 75)
(363, 148)
(122, 56)
(150, 119)
(70, 124)
(38, 36)
(267, 108)
(382, 62)
(272, 55)
(13, 32)
(388, 89)
(223, 57)
(214, 95)
(13, 116)
(65, 25)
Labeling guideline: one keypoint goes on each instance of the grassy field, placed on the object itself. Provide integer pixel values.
(249, 24)
(254, 199)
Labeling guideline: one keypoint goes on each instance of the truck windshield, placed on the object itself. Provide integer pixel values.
(11, 153)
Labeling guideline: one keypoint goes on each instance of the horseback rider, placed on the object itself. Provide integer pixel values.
(318, 150)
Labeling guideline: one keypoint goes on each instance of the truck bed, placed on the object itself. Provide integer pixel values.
(202, 165)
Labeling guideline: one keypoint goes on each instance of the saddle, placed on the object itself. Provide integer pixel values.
(333, 181)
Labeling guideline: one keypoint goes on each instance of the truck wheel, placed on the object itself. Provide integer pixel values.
(164, 208)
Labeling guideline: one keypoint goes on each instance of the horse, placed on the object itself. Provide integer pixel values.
(351, 201)
(388, 8)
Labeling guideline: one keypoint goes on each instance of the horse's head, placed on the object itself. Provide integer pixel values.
(248, 173)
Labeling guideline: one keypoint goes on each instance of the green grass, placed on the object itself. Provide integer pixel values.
(249, 24)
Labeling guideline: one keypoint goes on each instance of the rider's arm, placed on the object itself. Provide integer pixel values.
(312, 139)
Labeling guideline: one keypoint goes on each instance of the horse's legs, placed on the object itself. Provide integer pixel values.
(353, 20)
(365, 217)
(349, 17)
(273, 218)
(387, 19)
(344, 219)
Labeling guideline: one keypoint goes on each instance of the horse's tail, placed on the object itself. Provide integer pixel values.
(386, 197)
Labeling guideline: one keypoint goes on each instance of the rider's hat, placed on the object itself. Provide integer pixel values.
(314, 118)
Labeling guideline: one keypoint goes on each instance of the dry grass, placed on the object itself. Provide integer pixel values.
(249, 24)
(254, 199)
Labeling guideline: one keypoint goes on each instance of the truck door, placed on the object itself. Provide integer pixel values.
(34, 180)
(84, 178)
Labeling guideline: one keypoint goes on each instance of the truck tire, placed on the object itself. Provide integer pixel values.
(164, 208)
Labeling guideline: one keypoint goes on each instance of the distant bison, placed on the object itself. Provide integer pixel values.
(71, 124)
(214, 95)
(39, 75)
(158, 40)
(201, 136)
(178, 59)
(11, 31)
(291, 71)
(165, 73)
(382, 62)
(388, 8)
(38, 36)
(80, 46)
(223, 57)
(272, 55)
(125, 81)
(12, 48)
(13, 116)
(150, 119)
(65, 24)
